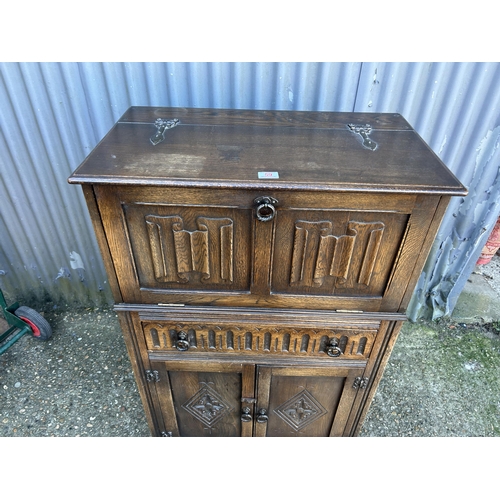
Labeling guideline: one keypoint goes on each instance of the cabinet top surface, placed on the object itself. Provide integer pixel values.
(275, 150)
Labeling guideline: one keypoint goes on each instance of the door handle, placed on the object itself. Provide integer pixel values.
(262, 417)
(246, 415)
(265, 210)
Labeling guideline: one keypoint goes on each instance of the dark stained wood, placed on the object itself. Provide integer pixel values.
(235, 337)
(209, 116)
(241, 326)
(320, 159)
(305, 402)
(205, 403)
(356, 259)
(424, 250)
(349, 253)
(374, 372)
(247, 400)
(103, 245)
(137, 353)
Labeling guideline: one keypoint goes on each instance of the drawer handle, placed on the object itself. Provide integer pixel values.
(182, 344)
(332, 349)
(265, 210)
(262, 417)
(245, 414)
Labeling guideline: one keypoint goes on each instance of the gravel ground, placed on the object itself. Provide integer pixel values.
(442, 380)
(79, 383)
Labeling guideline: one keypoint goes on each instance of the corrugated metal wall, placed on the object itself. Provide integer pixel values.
(53, 114)
(455, 107)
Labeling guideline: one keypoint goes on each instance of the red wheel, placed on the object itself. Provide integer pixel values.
(38, 324)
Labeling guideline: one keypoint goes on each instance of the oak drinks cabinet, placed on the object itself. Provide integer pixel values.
(261, 262)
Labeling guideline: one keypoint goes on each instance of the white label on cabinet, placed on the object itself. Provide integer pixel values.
(269, 175)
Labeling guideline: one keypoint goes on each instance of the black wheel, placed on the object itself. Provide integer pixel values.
(39, 325)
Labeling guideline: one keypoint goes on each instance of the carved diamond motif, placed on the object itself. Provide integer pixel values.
(300, 410)
(207, 406)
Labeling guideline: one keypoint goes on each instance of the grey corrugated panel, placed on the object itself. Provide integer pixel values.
(40, 214)
(311, 86)
(53, 114)
(455, 107)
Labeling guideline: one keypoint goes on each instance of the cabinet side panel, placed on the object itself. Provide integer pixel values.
(102, 241)
(375, 371)
(116, 232)
(135, 346)
(416, 243)
(424, 252)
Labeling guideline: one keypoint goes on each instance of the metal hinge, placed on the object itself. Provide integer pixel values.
(161, 127)
(248, 400)
(363, 131)
(152, 376)
(360, 383)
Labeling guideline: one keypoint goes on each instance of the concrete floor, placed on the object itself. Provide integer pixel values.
(443, 378)
(480, 298)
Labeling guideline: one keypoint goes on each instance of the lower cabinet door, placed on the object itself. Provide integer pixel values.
(308, 402)
(198, 399)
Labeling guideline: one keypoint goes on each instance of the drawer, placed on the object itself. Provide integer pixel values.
(258, 333)
(264, 249)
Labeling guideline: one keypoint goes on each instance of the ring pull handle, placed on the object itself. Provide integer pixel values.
(182, 344)
(246, 415)
(265, 210)
(332, 349)
(262, 417)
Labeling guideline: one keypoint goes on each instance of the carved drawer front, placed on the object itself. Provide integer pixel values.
(228, 334)
(238, 339)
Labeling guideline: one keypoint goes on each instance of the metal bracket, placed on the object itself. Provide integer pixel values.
(364, 131)
(152, 376)
(360, 383)
(162, 126)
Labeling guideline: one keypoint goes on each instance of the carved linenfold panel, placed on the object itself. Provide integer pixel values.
(354, 342)
(317, 253)
(371, 233)
(176, 252)
(370, 256)
(301, 410)
(160, 232)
